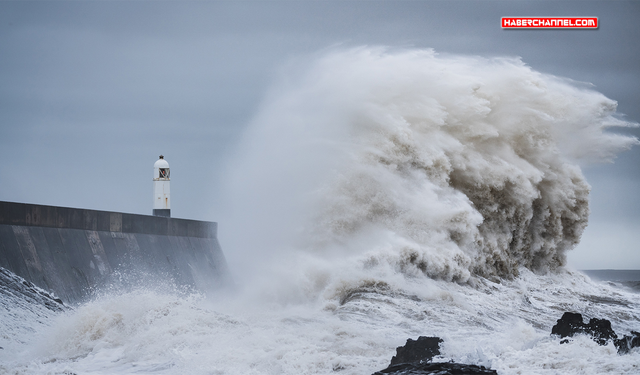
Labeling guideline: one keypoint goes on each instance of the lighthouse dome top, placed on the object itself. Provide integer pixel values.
(161, 163)
(161, 169)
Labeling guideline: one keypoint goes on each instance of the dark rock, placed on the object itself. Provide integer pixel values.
(599, 329)
(414, 358)
(439, 368)
(627, 343)
(421, 350)
(572, 323)
(14, 286)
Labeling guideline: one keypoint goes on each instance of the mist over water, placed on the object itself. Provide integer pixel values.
(431, 165)
(379, 195)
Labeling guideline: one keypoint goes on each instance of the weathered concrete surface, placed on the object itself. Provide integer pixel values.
(70, 251)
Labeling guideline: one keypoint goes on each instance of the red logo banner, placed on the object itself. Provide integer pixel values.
(549, 22)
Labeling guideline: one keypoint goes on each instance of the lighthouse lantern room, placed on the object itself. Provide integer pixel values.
(161, 193)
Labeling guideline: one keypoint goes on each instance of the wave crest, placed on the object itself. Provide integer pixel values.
(448, 166)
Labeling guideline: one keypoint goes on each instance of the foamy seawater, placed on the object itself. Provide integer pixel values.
(505, 326)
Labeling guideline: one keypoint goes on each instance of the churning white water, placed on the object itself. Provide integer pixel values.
(380, 195)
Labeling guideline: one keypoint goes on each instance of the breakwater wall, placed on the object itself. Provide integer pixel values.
(73, 251)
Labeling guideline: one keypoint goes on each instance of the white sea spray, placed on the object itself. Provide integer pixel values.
(445, 166)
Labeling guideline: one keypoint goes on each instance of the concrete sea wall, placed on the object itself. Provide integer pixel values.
(72, 251)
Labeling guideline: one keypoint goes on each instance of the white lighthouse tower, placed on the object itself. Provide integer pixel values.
(161, 193)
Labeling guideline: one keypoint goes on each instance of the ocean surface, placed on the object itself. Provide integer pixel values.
(503, 325)
(626, 278)
(378, 195)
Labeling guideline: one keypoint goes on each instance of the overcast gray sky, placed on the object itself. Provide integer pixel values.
(92, 92)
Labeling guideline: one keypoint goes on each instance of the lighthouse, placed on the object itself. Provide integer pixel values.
(161, 193)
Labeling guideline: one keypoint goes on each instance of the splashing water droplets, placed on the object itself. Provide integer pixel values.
(458, 166)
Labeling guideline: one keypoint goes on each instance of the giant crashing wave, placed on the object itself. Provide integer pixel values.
(439, 165)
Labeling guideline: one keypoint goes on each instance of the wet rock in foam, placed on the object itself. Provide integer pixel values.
(599, 329)
(414, 358)
(421, 350)
(12, 285)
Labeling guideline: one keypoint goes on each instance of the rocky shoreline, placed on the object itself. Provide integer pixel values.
(599, 329)
(415, 357)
